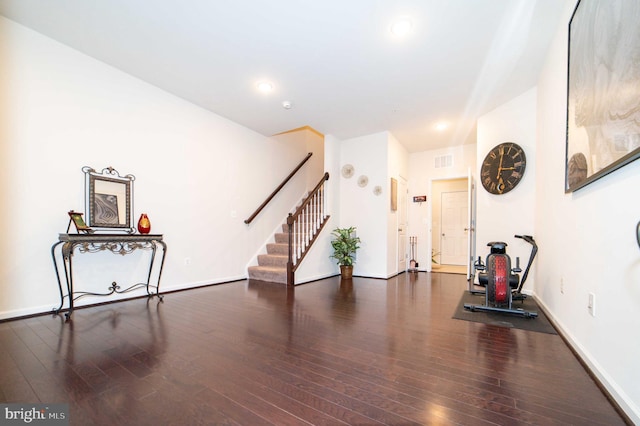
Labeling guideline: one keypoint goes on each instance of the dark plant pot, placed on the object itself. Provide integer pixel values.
(346, 272)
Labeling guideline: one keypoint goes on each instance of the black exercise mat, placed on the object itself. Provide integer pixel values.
(539, 324)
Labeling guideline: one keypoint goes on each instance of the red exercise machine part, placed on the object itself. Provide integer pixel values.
(501, 279)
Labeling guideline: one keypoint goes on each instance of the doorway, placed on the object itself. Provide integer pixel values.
(452, 218)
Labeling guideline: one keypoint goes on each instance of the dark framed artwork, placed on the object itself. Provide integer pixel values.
(603, 90)
(109, 199)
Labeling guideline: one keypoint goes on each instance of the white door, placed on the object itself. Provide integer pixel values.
(402, 225)
(454, 219)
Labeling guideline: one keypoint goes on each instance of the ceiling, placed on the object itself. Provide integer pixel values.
(335, 61)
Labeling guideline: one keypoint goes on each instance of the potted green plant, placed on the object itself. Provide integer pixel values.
(345, 245)
(434, 262)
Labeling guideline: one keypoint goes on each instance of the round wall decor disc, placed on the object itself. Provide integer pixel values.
(347, 171)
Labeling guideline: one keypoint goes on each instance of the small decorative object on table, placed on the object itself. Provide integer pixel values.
(78, 221)
(144, 225)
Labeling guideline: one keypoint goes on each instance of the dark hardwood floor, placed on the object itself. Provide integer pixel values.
(324, 353)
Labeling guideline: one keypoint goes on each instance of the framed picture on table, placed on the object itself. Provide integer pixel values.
(109, 200)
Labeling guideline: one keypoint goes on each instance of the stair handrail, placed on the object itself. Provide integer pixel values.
(273, 194)
(299, 210)
(293, 263)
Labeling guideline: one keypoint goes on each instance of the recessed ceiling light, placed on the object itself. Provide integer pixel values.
(265, 87)
(401, 27)
(441, 126)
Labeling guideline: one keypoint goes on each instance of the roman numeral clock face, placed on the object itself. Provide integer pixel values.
(503, 168)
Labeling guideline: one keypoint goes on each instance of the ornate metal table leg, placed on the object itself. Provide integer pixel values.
(55, 266)
(153, 255)
(67, 255)
(164, 253)
(151, 261)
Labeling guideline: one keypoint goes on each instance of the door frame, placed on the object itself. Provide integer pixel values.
(470, 185)
(403, 205)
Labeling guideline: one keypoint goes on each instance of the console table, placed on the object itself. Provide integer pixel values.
(116, 243)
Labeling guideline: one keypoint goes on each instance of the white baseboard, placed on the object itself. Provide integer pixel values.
(630, 408)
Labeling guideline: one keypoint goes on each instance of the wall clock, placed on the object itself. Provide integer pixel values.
(503, 168)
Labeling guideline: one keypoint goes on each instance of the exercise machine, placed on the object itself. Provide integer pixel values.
(502, 282)
(516, 293)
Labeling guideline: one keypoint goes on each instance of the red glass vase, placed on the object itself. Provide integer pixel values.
(144, 225)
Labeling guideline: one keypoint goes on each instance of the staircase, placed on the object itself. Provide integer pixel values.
(272, 267)
(300, 231)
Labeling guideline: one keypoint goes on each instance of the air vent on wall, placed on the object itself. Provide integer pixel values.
(444, 161)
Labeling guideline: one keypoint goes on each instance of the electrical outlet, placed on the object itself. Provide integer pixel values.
(592, 304)
(187, 261)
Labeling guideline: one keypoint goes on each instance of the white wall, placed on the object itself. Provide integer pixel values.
(587, 245)
(61, 110)
(379, 157)
(500, 217)
(360, 207)
(398, 168)
(422, 173)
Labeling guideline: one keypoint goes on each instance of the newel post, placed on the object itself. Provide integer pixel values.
(290, 271)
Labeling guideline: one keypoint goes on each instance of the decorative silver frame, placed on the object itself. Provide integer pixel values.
(109, 200)
(603, 109)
